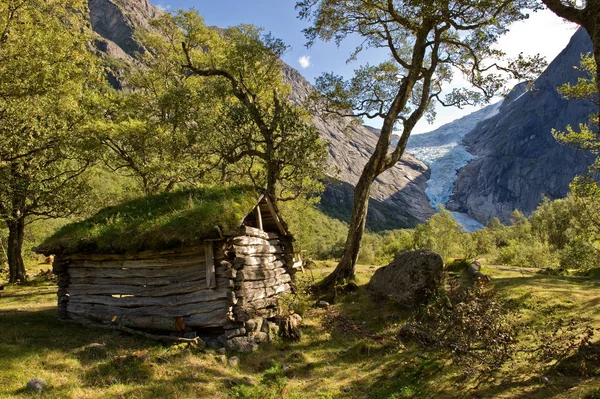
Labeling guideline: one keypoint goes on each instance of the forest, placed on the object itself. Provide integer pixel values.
(110, 154)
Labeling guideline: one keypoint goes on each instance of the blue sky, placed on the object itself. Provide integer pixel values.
(543, 33)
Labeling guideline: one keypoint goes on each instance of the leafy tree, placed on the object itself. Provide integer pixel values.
(159, 127)
(259, 129)
(427, 42)
(47, 77)
(441, 234)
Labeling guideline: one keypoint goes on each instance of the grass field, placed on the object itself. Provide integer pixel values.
(348, 350)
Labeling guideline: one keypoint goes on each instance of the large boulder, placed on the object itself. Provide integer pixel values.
(410, 279)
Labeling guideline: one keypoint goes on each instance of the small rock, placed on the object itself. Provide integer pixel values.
(221, 351)
(261, 337)
(36, 385)
(214, 343)
(241, 344)
(322, 304)
(346, 389)
(251, 325)
(221, 359)
(233, 361)
(238, 332)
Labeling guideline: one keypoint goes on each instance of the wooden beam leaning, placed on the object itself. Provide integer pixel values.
(211, 281)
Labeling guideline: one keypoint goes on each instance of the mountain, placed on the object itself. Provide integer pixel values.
(398, 196)
(517, 160)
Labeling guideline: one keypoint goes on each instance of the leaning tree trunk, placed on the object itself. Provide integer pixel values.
(16, 266)
(345, 268)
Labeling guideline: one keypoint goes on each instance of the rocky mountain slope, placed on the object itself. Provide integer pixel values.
(517, 159)
(398, 196)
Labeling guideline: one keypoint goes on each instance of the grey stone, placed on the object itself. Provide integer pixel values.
(238, 332)
(323, 304)
(233, 361)
(261, 337)
(36, 385)
(241, 344)
(410, 279)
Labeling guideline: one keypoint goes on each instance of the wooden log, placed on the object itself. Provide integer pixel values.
(246, 241)
(257, 249)
(171, 253)
(256, 260)
(260, 293)
(157, 263)
(211, 281)
(198, 297)
(142, 281)
(268, 282)
(134, 273)
(152, 291)
(254, 275)
(145, 322)
(206, 320)
(107, 312)
(166, 339)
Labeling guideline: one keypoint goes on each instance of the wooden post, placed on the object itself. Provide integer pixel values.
(211, 281)
(259, 221)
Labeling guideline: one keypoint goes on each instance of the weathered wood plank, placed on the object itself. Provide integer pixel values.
(142, 281)
(101, 310)
(170, 289)
(253, 275)
(246, 241)
(259, 293)
(257, 249)
(270, 266)
(268, 282)
(157, 263)
(177, 252)
(135, 301)
(211, 281)
(253, 260)
(213, 319)
(127, 273)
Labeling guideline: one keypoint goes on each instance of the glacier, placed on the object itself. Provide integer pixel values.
(444, 154)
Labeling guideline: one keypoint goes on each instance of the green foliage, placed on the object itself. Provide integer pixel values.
(320, 236)
(443, 235)
(49, 96)
(159, 221)
(257, 132)
(529, 253)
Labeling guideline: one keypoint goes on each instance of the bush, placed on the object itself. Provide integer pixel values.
(528, 253)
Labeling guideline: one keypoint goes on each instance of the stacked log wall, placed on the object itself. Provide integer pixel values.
(154, 290)
(262, 270)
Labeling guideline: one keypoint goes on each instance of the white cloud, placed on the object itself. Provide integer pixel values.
(304, 61)
(163, 7)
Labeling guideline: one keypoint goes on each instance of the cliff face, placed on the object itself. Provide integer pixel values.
(517, 159)
(398, 197)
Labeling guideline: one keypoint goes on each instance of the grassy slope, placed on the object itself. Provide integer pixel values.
(348, 351)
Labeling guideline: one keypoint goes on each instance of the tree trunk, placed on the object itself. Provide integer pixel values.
(345, 268)
(16, 266)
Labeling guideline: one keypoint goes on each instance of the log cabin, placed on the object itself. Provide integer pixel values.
(213, 261)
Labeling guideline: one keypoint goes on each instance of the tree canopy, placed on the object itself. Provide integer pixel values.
(48, 82)
(427, 43)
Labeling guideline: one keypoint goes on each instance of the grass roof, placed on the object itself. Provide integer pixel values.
(163, 221)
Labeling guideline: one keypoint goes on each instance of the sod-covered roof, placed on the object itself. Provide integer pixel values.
(163, 221)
